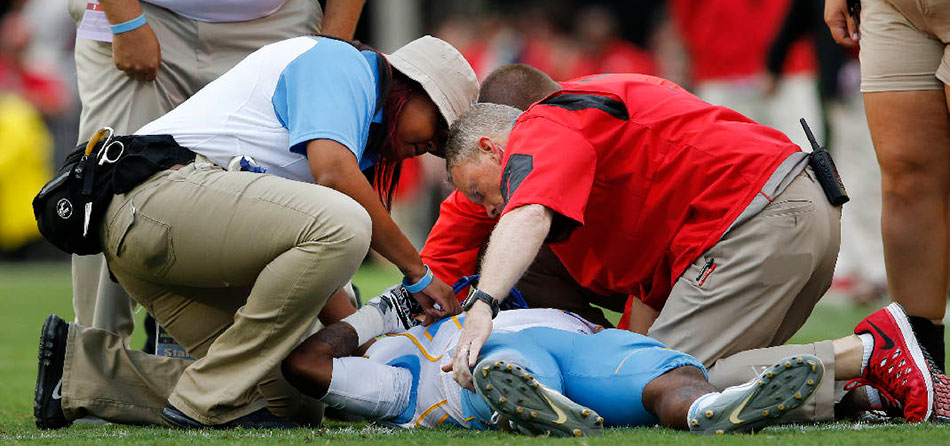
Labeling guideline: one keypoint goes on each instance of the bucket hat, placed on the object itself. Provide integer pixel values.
(442, 71)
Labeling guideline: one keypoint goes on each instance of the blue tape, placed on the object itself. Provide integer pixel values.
(125, 27)
(421, 284)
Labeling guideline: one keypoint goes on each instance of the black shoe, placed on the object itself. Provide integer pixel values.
(47, 396)
(259, 419)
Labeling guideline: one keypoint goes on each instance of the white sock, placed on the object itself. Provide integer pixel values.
(695, 407)
(868, 342)
(368, 323)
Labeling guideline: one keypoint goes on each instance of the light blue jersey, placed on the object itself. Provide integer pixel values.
(276, 100)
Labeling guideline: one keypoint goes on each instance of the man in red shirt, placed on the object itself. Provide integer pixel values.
(460, 234)
(710, 219)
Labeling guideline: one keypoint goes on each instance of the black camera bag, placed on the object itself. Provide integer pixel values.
(60, 207)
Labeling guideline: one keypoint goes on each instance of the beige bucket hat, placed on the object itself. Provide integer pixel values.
(442, 71)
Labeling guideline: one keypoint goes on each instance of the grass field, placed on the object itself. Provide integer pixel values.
(29, 292)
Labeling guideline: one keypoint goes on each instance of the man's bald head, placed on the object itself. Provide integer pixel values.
(516, 85)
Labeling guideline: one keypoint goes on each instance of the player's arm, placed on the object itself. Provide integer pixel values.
(136, 53)
(340, 18)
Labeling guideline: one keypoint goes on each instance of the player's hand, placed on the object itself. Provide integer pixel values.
(477, 328)
(137, 53)
(437, 293)
(843, 27)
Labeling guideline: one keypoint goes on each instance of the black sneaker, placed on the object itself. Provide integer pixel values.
(47, 395)
(259, 419)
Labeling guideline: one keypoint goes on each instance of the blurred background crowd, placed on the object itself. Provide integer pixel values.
(772, 60)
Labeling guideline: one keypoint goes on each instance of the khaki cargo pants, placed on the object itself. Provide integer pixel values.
(740, 301)
(236, 266)
(193, 53)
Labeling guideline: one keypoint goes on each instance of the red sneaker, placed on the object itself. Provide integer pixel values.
(897, 367)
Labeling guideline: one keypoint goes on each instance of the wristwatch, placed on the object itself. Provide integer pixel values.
(475, 295)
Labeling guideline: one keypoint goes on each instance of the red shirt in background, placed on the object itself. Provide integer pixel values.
(729, 39)
(643, 177)
(617, 56)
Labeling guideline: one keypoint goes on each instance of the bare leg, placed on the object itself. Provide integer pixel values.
(669, 396)
(309, 367)
(911, 134)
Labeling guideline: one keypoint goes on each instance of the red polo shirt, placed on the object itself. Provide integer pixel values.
(642, 175)
(452, 247)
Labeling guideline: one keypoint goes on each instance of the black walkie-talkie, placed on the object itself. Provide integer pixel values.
(825, 170)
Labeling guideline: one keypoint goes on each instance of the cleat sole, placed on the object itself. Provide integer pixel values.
(756, 405)
(540, 410)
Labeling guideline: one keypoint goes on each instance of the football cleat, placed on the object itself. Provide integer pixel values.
(897, 368)
(760, 402)
(531, 407)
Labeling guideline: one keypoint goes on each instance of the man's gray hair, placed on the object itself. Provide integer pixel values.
(491, 120)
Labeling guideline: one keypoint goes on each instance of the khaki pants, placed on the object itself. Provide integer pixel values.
(236, 266)
(763, 280)
(193, 54)
(905, 45)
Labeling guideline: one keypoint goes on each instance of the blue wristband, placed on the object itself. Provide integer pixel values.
(421, 284)
(128, 26)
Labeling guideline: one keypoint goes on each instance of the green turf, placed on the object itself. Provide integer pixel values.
(29, 292)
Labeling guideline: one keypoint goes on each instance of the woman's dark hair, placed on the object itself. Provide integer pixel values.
(386, 171)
